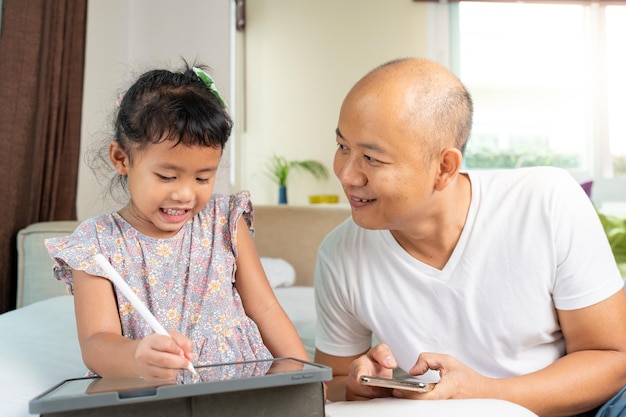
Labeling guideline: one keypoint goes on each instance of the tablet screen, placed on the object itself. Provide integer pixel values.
(212, 378)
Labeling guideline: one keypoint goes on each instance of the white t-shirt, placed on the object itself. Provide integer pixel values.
(532, 242)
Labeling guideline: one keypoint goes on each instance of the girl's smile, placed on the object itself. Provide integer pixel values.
(175, 216)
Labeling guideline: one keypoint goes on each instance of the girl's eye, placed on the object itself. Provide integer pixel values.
(165, 178)
(202, 180)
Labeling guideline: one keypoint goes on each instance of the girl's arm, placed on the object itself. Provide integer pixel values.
(105, 351)
(260, 303)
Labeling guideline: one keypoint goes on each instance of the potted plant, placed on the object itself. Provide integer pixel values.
(279, 169)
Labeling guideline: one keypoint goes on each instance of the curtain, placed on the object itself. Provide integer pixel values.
(42, 50)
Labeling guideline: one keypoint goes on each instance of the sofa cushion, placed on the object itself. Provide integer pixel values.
(279, 272)
(294, 233)
(34, 262)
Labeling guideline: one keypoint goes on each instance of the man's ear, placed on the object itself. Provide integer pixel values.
(450, 161)
(118, 157)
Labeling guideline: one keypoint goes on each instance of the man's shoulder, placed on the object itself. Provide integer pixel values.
(522, 180)
(546, 172)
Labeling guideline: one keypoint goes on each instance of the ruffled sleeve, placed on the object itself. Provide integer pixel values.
(227, 210)
(77, 250)
(242, 207)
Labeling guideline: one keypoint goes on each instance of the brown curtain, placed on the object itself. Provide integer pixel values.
(42, 50)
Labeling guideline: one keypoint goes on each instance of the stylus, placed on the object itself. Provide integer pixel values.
(134, 300)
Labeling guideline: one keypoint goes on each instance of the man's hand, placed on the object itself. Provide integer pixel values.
(457, 380)
(378, 361)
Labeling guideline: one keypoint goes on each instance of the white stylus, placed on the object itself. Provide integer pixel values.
(134, 300)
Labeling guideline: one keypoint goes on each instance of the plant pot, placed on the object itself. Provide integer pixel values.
(282, 194)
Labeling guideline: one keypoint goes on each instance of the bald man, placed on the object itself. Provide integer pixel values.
(501, 283)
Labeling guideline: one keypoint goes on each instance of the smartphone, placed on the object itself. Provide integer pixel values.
(409, 384)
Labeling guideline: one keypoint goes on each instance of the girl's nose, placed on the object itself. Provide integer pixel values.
(183, 194)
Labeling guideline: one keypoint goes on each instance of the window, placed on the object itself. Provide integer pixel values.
(548, 87)
(616, 61)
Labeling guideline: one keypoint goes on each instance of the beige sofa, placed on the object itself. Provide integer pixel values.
(292, 233)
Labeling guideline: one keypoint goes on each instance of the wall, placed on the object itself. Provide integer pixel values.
(295, 62)
(125, 38)
(301, 58)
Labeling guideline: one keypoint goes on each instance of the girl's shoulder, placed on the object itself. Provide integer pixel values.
(229, 206)
(92, 228)
(101, 228)
(106, 221)
(230, 202)
(224, 211)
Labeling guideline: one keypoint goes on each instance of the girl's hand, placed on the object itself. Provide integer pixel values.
(160, 357)
(378, 361)
(457, 380)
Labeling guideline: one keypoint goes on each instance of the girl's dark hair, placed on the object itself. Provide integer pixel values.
(160, 106)
(163, 105)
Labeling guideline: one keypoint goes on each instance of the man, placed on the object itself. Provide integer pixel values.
(501, 283)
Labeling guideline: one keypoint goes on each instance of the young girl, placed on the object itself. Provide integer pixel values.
(188, 255)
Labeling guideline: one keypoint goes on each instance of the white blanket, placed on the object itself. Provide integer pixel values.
(39, 349)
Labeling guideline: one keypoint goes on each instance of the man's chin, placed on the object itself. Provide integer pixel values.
(366, 222)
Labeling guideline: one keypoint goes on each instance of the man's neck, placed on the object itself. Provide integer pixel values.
(435, 241)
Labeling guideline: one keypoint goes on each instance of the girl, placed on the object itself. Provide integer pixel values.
(187, 254)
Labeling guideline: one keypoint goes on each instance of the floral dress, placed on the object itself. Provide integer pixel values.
(186, 281)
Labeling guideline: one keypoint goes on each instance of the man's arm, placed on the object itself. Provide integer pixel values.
(340, 366)
(591, 372)
(594, 367)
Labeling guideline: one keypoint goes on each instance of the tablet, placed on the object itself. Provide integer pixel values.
(91, 392)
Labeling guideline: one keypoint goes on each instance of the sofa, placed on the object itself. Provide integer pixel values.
(292, 233)
(40, 346)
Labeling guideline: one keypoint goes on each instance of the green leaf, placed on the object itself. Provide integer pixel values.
(279, 168)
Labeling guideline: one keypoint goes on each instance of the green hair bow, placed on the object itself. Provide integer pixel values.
(206, 78)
